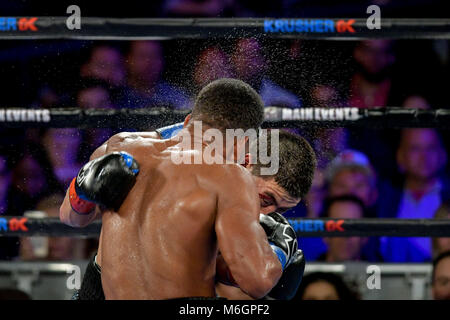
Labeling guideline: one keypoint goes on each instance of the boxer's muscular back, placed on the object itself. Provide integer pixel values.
(161, 244)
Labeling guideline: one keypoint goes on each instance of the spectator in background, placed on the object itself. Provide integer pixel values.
(420, 158)
(325, 96)
(212, 64)
(328, 143)
(416, 101)
(145, 85)
(32, 177)
(10, 205)
(342, 249)
(13, 294)
(46, 98)
(93, 94)
(250, 65)
(441, 245)
(57, 248)
(5, 182)
(441, 277)
(371, 84)
(316, 195)
(105, 63)
(30, 180)
(62, 147)
(324, 286)
(352, 173)
(197, 8)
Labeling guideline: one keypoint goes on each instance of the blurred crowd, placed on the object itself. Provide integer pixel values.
(332, 286)
(361, 173)
(229, 8)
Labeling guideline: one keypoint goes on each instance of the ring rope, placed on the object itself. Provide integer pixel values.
(275, 117)
(93, 28)
(11, 226)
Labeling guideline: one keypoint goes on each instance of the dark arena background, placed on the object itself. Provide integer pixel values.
(373, 102)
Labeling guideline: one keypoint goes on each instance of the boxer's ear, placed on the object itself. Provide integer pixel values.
(239, 149)
(248, 161)
(186, 120)
(400, 157)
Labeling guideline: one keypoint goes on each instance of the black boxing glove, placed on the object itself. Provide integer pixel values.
(105, 181)
(281, 236)
(289, 282)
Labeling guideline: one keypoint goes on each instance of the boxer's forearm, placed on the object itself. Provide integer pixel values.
(266, 273)
(241, 239)
(231, 293)
(259, 257)
(224, 288)
(68, 216)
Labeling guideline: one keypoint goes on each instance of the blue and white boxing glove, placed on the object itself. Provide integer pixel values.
(281, 236)
(170, 131)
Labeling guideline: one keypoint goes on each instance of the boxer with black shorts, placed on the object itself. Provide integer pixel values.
(162, 240)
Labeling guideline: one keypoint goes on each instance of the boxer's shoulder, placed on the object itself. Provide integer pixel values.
(130, 137)
(134, 141)
(237, 171)
(233, 175)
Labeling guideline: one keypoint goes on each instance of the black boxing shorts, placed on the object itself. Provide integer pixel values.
(91, 286)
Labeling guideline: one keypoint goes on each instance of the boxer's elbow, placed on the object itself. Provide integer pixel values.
(267, 280)
(121, 137)
(258, 284)
(258, 288)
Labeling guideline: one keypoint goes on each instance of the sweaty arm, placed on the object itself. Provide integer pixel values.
(252, 263)
(105, 180)
(283, 238)
(69, 216)
(74, 219)
(160, 133)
